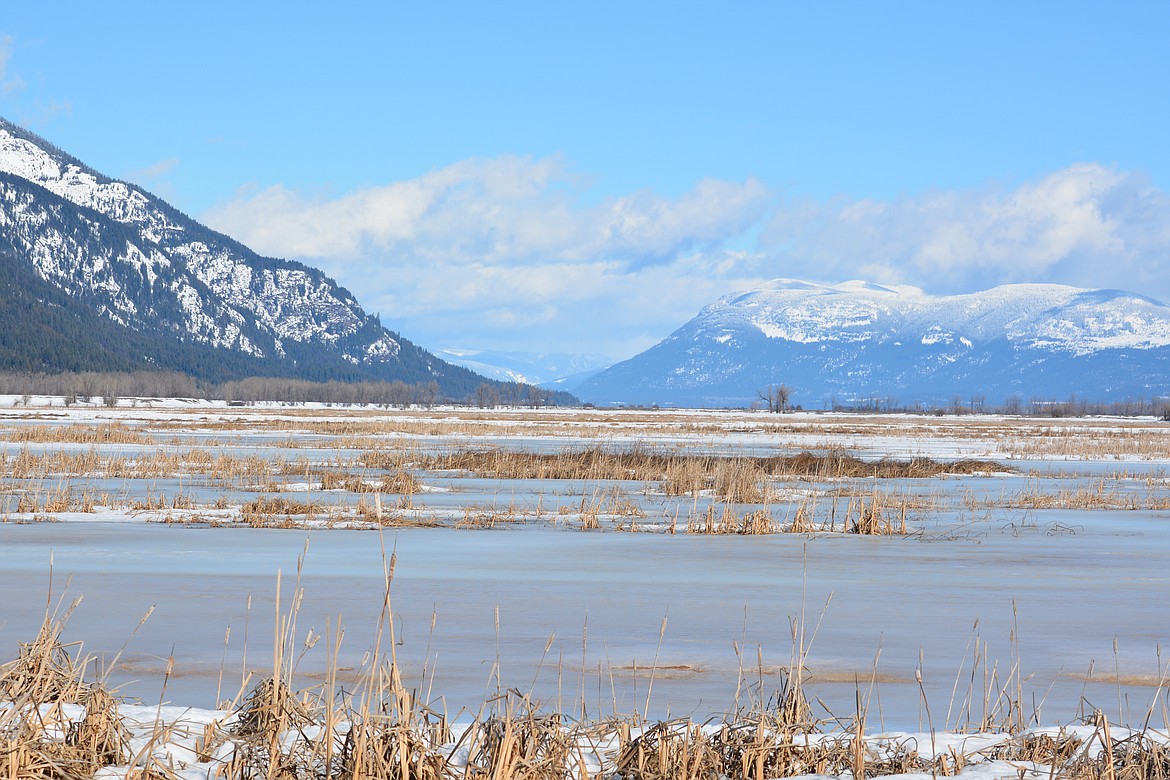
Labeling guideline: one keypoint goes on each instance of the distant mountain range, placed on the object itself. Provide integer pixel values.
(554, 370)
(857, 342)
(97, 274)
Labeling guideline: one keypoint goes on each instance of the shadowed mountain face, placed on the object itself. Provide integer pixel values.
(97, 274)
(859, 342)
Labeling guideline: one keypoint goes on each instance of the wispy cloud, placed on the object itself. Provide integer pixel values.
(1086, 225)
(507, 209)
(506, 248)
(154, 170)
(23, 105)
(8, 83)
(510, 253)
(155, 177)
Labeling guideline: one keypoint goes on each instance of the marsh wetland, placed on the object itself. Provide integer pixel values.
(941, 577)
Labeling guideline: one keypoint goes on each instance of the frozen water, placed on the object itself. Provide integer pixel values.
(1075, 593)
(1059, 591)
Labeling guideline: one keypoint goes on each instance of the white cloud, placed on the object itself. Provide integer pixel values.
(507, 253)
(505, 249)
(1085, 225)
(507, 209)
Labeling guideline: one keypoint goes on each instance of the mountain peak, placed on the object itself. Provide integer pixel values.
(858, 340)
(144, 266)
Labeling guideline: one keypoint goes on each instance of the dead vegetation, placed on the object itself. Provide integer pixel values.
(373, 428)
(370, 468)
(79, 433)
(41, 734)
(277, 512)
(1093, 495)
(684, 474)
(55, 725)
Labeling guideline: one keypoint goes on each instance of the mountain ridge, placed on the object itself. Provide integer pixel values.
(853, 341)
(163, 277)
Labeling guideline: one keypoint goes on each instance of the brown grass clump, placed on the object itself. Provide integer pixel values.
(262, 749)
(43, 670)
(37, 738)
(737, 480)
(1040, 748)
(1138, 756)
(229, 470)
(668, 750)
(333, 480)
(875, 518)
(55, 499)
(79, 433)
(738, 477)
(490, 517)
(764, 743)
(523, 745)
(386, 459)
(728, 522)
(386, 750)
(263, 512)
(100, 736)
(400, 482)
(837, 463)
(802, 520)
(270, 708)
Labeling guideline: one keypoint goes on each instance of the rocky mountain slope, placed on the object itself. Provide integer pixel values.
(857, 342)
(171, 293)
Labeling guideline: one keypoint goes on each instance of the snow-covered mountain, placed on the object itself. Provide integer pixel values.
(554, 370)
(856, 341)
(190, 292)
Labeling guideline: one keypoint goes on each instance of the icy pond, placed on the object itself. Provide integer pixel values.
(1042, 572)
(1096, 595)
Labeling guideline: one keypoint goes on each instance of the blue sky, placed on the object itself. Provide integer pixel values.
(585, 176)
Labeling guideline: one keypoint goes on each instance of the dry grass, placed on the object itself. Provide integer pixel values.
(686, 474)
(47, 474)
(38, 737)
(78, 433)
(875, 513)
(381, 730)
(1098, 494)
(875, 518)
(398, 482)
(1138, 756)
(726, 521)
(277, 512)
(219, 468)
(370, 428)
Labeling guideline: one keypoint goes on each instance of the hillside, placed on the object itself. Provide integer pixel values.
(98, 274)
(856, 342)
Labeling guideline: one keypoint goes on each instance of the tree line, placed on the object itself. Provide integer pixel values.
(112, 388)
(1033, 406)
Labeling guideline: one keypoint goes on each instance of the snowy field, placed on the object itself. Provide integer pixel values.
(1026, 589)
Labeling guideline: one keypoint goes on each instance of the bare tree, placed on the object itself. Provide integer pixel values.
(486, 396)
(426, 393)
(775, 397)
